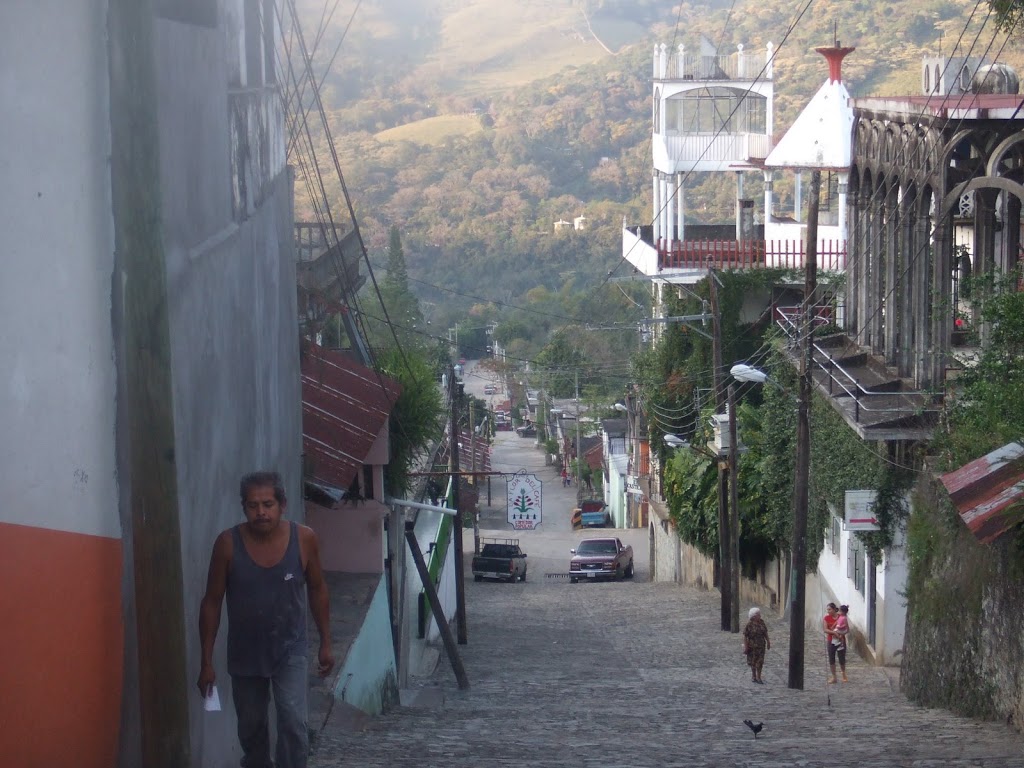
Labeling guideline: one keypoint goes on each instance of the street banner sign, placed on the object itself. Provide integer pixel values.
(860, 511)
(524, 502)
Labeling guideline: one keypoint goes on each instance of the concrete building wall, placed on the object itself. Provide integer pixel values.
(57, 459)
(232, 305)
(232, 310)
(615, 489)
(665, 550)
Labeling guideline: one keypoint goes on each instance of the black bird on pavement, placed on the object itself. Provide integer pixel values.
(755, 727)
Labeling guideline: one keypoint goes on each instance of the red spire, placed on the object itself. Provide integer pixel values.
(835, 56)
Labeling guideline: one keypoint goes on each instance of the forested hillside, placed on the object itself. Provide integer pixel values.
(474, 125)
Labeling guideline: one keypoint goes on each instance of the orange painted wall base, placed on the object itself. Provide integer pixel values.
(62, 648)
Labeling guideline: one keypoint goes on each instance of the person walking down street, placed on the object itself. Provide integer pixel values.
(835, 639)
(755, 643)
(268, 569)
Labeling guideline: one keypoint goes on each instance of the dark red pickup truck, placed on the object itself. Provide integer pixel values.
(601, 559)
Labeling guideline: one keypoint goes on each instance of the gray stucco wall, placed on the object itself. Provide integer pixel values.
(233, 327)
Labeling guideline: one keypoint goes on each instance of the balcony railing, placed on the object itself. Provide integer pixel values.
(714, 148)
(748, 254)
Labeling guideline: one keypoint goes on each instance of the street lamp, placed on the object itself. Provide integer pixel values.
(675, 441)
(744, 372)
(801, 474)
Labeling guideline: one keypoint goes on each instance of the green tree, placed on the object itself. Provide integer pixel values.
(987, 409)
(403, 318)
(563, 361)
(417, 417)
(1009, 13)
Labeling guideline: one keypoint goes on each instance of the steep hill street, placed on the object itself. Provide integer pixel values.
(638, 674)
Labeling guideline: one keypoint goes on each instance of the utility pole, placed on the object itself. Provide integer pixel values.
(724, 549)
(145, 393)
(579, 448)
(734, 515)
(476, 485)
(803, 445)
(453, 465)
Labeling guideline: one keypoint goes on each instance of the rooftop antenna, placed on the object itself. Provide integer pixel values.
(835, 32)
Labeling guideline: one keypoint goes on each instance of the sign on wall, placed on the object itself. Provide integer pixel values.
(633, 485)
(860, 511)
(524, 502)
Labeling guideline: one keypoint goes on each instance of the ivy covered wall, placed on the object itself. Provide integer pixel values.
(964, 646)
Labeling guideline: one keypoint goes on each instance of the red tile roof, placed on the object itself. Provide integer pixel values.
(989, 492)
(344, 407)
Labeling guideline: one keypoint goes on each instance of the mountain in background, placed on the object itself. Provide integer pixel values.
(475, 125)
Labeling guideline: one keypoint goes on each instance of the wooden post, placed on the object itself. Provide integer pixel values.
(734, 516)
(148, 409)
(803, 445)
(396, 580)
(435, 608)
(724, 567)
(453, 463)
(476, 485)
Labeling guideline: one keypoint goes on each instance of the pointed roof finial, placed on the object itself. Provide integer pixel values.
(835, 56)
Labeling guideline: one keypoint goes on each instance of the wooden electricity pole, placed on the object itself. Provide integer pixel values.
(803, 444)
(724, 550)
(734, 515)
(453, 465)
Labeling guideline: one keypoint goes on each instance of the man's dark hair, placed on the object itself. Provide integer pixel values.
(263, 479)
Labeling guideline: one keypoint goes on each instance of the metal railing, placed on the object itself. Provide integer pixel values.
(909, 402)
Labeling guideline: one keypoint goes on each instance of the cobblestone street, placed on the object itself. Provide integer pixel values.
(638, 674)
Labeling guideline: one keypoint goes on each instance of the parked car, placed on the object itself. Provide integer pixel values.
(500, 559)
(593, 514)
(526, 430)
(601, 559)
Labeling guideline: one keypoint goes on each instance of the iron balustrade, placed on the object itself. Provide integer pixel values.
(910, 402)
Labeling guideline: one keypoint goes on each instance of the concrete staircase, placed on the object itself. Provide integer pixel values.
(872, 398)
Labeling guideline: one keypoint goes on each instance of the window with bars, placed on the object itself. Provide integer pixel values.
(833, 535)
(856, 563)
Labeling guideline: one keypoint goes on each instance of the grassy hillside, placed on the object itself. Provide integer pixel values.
(432, 130)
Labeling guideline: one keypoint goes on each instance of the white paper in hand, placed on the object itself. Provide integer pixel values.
(212, 702)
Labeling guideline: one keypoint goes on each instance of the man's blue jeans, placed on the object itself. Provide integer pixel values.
(290, 683)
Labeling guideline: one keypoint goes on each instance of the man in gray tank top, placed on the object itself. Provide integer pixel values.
(268, 569)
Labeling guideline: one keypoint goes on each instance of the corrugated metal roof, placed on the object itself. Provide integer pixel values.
(477, 445)
(989, 492)
(344, 407)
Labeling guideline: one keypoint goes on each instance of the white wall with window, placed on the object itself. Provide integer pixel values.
(873, 591)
